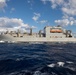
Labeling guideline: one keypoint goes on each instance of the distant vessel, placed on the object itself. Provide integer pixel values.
(49, 34)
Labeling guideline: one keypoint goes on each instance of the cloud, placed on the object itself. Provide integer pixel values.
(29, 1)
(12, 10)
(63, 22)
(36, 16)
(12, 23)
(43, 21)
(44, 1)
(68, 8)
(33, 27)
(54, 3)
(66, 22)
(2, 4)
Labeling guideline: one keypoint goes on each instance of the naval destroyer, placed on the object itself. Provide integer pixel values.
(48, 34)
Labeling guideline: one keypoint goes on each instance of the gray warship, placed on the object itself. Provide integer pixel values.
(48, 34)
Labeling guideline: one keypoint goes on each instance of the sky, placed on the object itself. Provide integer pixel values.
(36, 14)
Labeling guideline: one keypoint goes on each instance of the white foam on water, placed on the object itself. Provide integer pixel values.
(19, 59)
(71, 68)
(69, 62)
(37, 73)
(13, 73)
(60, 64)
(51, 65)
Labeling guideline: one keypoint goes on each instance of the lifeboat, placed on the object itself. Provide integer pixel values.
(53, 31)
(59, 31)
(56, 31)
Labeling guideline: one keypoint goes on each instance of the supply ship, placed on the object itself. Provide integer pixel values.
(48, 34)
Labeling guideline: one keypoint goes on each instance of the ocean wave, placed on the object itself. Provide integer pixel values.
(37, 59)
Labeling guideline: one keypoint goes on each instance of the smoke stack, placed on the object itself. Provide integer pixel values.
(30, 31)
(40, 33)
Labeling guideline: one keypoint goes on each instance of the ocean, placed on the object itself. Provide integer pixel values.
(37, 59)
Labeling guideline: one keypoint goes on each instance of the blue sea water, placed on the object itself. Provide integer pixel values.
(37, 59)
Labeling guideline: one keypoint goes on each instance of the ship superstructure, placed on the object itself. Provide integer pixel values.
(57, 32)
(48, 34)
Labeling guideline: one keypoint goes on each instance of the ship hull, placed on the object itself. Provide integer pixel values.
(8, 38)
